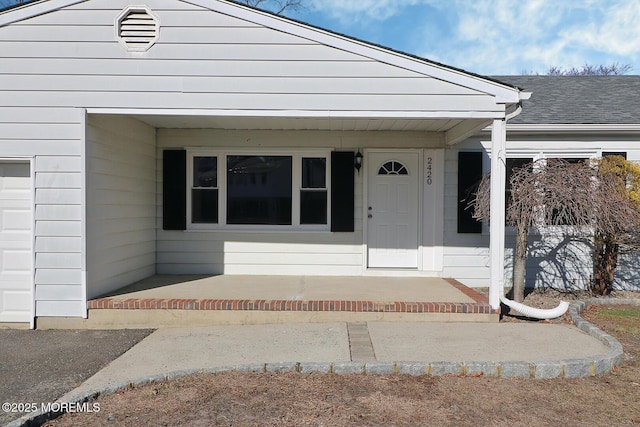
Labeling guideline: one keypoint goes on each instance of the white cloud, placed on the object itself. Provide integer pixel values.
(494, 37)
(618, 33)
(357, 10)
(497, 36)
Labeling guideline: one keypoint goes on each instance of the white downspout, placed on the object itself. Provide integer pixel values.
(537, 313)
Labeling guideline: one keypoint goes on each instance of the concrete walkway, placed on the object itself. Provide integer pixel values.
(420, 347)
(510, 349)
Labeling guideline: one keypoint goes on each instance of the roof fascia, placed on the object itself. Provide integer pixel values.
(576, 129)
(504, 93)
(29, 10)
(485, 116)
(573, 128)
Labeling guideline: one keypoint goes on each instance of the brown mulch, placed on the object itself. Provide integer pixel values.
(244, 399)
(548, 298)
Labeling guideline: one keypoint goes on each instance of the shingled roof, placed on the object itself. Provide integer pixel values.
(578, 99)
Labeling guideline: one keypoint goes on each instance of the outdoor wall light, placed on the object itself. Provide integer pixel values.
(358, 161)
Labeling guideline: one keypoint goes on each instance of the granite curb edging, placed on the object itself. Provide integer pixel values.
(566, 368)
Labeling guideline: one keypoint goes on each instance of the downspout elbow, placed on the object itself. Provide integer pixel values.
(522, 96)
(515, 112)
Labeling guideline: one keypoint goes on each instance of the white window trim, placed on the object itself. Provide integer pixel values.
(296, 187)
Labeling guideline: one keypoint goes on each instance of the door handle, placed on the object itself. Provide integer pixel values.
(369, 216)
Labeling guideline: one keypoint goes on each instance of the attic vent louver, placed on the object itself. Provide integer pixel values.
(137, 29)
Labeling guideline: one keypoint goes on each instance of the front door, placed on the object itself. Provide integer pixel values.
(393, 209)
(16, 275)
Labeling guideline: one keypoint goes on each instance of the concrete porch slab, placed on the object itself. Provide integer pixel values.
(296, 288)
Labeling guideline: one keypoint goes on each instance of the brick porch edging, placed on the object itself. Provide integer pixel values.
(480, 306)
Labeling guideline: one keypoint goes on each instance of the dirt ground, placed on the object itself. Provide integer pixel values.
(242, 399)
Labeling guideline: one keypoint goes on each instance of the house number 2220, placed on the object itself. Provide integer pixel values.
(429, 173)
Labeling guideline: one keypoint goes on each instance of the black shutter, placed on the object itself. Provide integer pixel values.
(342, 191)
(469, 175)
(174, 190)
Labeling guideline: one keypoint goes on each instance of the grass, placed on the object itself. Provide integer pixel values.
(626, 319)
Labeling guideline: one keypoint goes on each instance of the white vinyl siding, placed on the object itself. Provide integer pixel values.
(466, 256)
(52, 260)
(205, 59)
(554, 260)
(120, 203)
(52, 137)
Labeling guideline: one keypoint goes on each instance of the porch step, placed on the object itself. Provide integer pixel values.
(173, 318)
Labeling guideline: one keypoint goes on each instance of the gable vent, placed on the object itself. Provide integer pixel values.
(137, 29)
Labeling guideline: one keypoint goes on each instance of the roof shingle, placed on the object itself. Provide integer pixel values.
(578, 99)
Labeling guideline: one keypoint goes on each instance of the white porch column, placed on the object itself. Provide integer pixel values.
(497, 223)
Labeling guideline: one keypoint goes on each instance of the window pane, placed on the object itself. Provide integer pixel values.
(314, 172)
(313, 207)
(393, 168)
(205, 171)
(512, 166)
(204, 206)
(565, 216)
(259, 190)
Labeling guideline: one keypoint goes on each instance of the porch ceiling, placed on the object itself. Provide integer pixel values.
(310, 123)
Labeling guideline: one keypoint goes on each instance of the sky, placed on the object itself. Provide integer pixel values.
(491, 37)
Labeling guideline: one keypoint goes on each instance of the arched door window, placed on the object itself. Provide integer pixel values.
(393, 168)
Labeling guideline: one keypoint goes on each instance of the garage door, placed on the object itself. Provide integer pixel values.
(16, 271)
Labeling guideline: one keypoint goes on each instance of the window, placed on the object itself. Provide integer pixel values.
(239, 189)
(313, 192)
(259, 190)
(204, 192)
(393, 168)
(512, 166)
(566, 215)
(469, 176)
(622, 154)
